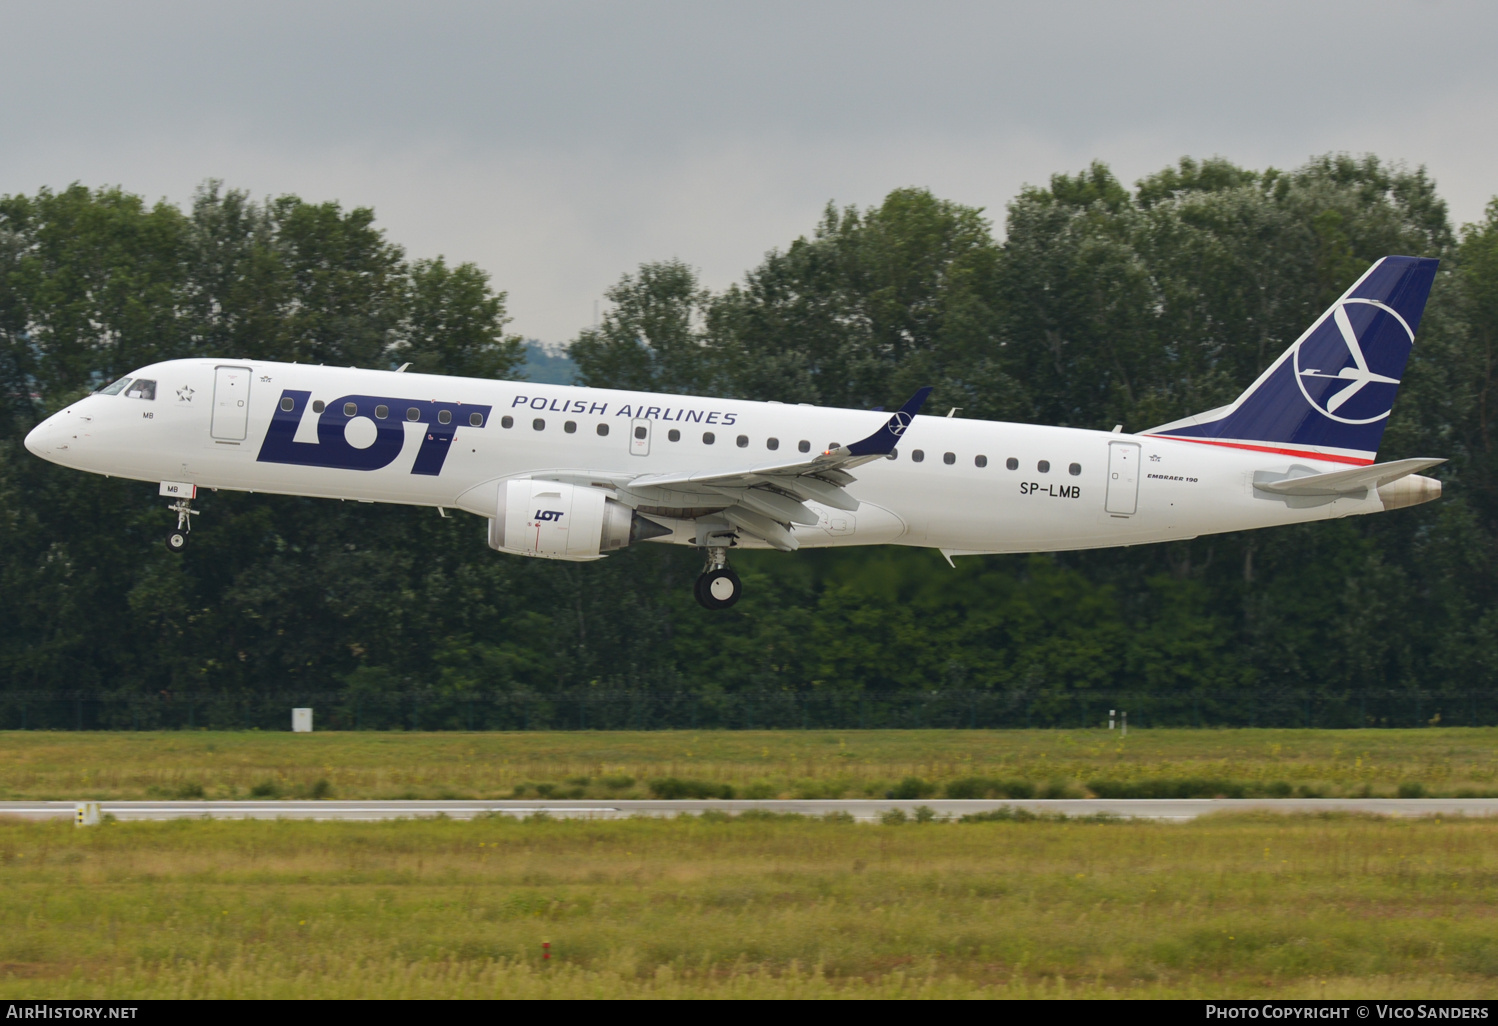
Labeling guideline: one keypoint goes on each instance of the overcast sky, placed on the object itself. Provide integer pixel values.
(560, 144)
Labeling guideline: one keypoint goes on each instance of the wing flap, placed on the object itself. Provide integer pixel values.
(812, 489)
(773, 533)
(778, 507)
(728, 477)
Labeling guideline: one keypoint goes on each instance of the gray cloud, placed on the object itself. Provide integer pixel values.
(558, 144)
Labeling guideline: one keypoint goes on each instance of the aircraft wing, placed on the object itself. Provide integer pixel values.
(765, 499)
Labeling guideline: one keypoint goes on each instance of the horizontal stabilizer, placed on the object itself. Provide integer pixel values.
(1342, 482)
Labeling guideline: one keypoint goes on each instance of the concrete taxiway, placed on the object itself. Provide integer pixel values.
(864, 810)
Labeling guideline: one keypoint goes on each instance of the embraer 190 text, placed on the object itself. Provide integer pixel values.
(577, 473)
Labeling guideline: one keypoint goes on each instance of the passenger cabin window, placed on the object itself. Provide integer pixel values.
(1044, 466)
(351, 409)
(1074, 469)
(1012, 463)
(949, 458)
(772, 443)
(641, 432)
(708, 438)
(538, 424)
(916, 455)
(673, 435)
(804, 445)
(603, 429)
(474, 419)
(742, 441)
(140, 388)
(507, 422)
(894, 454)
(116, 388)
(412, 413)
(980, 461)
(570, 427)
(288, 404)
(445, 417)
(381, 412)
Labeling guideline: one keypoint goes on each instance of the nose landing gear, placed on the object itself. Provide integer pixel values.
(176, 539)
(718, 587)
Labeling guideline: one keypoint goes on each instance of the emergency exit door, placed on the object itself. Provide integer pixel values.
(231, 403)
(639, 437)
(1123, 478)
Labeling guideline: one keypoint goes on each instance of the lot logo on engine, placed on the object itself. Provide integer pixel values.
(548, 514)
(366, 432)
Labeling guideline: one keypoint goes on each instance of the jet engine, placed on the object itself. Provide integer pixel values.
(554, 520)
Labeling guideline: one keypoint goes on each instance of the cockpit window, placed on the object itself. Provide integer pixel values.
(140, 388)
(116, 388)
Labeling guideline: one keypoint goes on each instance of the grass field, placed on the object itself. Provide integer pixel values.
(1272, 906)
(1446, 762)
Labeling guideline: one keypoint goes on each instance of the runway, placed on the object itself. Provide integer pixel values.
(864, 810)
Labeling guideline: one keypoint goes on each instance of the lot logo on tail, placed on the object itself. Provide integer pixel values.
(1329, 394)
(1347, 368)
(367, 432)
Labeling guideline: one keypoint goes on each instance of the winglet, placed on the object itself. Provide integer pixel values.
(883, 441)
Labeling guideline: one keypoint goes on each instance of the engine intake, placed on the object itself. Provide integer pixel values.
(553, 520)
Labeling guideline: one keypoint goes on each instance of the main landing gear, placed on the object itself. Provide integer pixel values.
(718, 587)
(176, 539)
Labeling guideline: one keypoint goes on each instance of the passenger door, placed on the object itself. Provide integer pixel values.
(231, 403)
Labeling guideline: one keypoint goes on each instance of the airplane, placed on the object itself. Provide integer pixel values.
(573, 473)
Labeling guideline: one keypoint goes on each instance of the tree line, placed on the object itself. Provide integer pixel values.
(1093, 304)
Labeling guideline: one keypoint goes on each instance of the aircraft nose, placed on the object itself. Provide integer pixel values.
(36, 438)
(45, 439)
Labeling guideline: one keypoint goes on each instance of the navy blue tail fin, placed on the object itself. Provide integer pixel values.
(1329, 395)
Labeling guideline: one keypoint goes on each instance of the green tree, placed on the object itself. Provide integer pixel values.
(454, 324)
(874, 305)
(651, 338)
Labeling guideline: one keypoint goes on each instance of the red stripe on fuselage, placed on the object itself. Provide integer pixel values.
(1356, 461)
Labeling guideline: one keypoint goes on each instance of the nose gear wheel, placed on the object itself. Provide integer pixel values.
(176, 539)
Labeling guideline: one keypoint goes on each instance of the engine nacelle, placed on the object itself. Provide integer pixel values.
(553, 520)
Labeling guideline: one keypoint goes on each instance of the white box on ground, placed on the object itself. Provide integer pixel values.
(86, 814)
(301, 721)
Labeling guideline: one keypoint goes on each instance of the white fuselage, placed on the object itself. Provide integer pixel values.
(1125, 489)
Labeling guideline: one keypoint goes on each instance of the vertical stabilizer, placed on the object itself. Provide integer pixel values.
(1330, 394)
